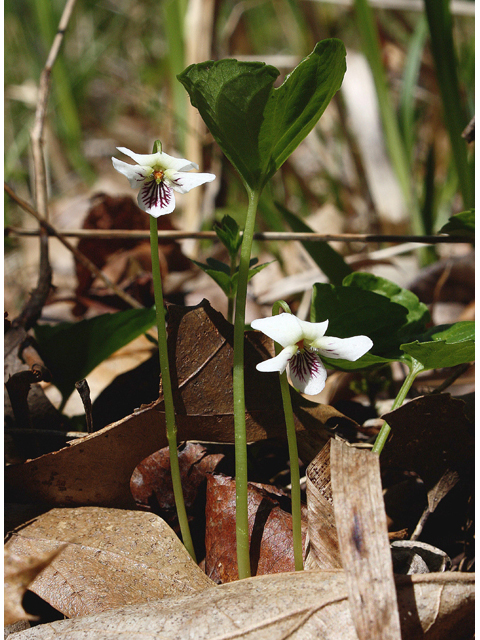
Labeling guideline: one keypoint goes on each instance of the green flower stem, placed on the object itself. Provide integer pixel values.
(167, 391)
(415, 368)
(243, 555)
(293, 453)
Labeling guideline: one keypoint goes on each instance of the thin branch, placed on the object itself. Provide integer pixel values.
(78, 254)
(33, 308)
(110, 234)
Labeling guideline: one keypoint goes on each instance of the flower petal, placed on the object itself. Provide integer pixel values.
(162, 160)
(279, 363)
(146, 160)
(313, 330)
(346, 348)
(183, 182)
(284, 328)
(307, 372)
(135, 173)
(156, 199)
(175, 164)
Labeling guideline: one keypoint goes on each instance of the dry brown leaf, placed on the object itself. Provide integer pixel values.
(110, 558)
(430, 435)
(19, 572)
(108, 212)
(323, 551)
(151, 482)
(270, 530)
(305, 605)
(97, 469)
(363, 538)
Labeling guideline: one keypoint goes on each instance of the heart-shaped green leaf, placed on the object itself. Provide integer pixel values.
(443, 346)
(256, 125)
(351, 312)
(418, 315)
(71, 350)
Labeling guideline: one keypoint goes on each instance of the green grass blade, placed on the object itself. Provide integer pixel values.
(441, 34)
(410, 77)
(393, 137)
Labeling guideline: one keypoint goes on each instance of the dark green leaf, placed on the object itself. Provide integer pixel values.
(444, 346)
(418, 315)
(72, 350)
(256, 125)
(351, 312)
(461, 224)
(330, 261)
(220, 272)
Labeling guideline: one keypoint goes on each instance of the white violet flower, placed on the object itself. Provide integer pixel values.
(303, 343)
(158, 175)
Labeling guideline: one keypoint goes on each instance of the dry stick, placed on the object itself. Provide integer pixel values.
(34, 306)
(107, 234)
(78, 254)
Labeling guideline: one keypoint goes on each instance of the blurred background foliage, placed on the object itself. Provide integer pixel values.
(115, 84)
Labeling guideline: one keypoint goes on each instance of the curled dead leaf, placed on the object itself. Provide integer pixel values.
(20, 570)
(109, 558)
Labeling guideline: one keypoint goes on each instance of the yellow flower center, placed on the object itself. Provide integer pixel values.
(158, 174)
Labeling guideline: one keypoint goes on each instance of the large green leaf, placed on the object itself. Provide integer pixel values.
(444, 346)
(72, 350)
(367, 305)
(418, 315)
(351, 312)
(330, 261)
(256, 125)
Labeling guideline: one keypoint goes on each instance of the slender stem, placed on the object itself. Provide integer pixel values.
(231, 298)
(167, 391)
(243, 556)
(415, 368)
(293, 453)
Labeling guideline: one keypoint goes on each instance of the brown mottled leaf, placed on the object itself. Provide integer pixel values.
(110, 558)
(20, 570)
(270, 529)
(97, 469)
(304, 605)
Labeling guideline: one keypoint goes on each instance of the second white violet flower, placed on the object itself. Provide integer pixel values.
(303, 345)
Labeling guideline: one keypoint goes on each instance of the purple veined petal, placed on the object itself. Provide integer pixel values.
(135, 173)
(183, 182)
(313, 330)
(279, 363)
(307, 372)
(346, 348)
(156, 199)
(284, 328)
